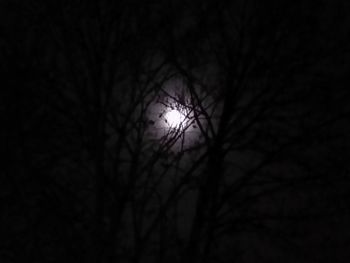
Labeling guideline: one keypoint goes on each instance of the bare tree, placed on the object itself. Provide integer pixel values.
(176, 132)
(273, 128)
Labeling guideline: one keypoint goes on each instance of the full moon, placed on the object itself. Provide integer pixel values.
(174, 118)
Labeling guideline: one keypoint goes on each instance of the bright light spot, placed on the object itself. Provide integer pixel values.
(174, 118)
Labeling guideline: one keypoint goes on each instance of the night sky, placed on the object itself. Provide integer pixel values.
(174, 131)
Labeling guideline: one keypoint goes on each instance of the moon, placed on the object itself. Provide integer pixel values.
(174, 118)
(171, 119)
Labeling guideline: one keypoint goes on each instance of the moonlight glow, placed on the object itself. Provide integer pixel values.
(174, 118)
